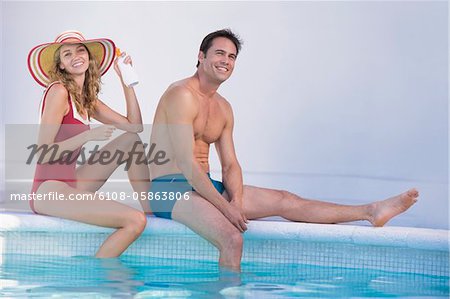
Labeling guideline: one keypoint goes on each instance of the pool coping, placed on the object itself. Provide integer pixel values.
(407, 237)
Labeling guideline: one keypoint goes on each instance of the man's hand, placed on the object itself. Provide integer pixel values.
(236, 218)
(238, 205)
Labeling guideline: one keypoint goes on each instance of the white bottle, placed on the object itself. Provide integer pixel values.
(129, 76)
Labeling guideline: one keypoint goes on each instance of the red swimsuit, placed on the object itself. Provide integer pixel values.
(62, 170)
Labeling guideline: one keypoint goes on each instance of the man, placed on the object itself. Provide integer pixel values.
(191, 116)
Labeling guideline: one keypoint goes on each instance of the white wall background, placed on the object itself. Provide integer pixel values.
(343, 101)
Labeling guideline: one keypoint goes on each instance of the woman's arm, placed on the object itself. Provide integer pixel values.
(55, 108)
(132, 122)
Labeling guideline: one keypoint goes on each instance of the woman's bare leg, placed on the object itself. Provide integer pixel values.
(130, 223)
(91, 177)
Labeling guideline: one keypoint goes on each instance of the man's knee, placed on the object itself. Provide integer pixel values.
(286, 194)
(285, 200)
(233, 242)
(237, 240)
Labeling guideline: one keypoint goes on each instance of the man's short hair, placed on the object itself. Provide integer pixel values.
(226, 33)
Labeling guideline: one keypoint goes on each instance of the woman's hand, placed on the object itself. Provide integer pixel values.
(101, 133)
(127, 60)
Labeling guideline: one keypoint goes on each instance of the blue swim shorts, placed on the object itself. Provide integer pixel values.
(166, 190)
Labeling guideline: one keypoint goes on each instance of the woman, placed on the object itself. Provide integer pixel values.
(70, 68)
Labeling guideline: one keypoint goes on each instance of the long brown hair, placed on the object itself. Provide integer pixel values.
(86, 99)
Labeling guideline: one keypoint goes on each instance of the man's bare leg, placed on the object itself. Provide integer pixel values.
(206, 220)
(262, 202)
(385, 210)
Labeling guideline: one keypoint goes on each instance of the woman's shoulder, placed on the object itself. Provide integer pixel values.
(57, 89)
(56, 93)
(56, 86)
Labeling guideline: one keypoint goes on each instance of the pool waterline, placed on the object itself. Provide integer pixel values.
(144, 277)
(279, 259)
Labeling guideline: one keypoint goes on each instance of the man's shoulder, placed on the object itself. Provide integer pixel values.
(223, 102)
(178, 96)
(178, 91)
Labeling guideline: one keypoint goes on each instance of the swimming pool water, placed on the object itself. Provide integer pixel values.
(33, 276)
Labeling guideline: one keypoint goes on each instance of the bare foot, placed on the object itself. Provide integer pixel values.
(385, 210)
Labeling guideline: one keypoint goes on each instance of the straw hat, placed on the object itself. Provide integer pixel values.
(40, 59)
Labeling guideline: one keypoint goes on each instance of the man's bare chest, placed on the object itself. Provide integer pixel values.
(209, 124)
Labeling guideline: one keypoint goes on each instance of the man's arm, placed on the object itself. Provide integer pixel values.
(181, 110)
(231, 170)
